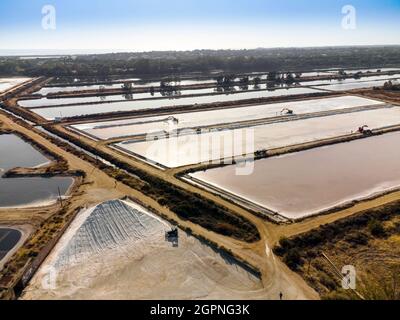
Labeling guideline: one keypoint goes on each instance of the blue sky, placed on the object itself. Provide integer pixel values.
(142, 25)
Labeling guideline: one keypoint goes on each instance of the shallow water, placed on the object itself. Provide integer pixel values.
(372, 70)
(351, 86)
(129, 127)
(51, 113)
(31, 103)
(305, 183)
(191, 149)
(47, 90)
(15, 192)
(315, 74)
(15, 152)
(357, 82)
(8, 239)
(8, 83)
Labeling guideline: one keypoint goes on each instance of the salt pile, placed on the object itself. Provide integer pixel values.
(110, 226)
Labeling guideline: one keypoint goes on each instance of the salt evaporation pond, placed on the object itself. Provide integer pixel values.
(8, 83)
(118, 250)
(46, 90)
(309, 182)
(17, 192)
(142, 84)
(44, 102)
(72, 111)
(17, 153)
(184, 150)
(32, 191)
(372, 70)
(315, 74)
(360, 82)
(8, 240)
(352, 86)
(70, 81)
(324, 84)
(144, 125)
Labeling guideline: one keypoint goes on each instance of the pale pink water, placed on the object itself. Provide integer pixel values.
(305, 183)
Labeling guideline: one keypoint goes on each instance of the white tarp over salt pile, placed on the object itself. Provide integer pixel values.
(110, 225)
(118, 250)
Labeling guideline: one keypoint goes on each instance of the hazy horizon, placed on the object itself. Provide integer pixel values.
(181, 25)
(70, 52)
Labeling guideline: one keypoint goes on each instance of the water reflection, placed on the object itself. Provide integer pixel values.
(23, 191)
(308, 182)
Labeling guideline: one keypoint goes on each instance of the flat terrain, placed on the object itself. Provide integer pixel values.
(188, 148)
(219, 283)
(71, 111)
(100, 187)
(145, 125)
(301, 184)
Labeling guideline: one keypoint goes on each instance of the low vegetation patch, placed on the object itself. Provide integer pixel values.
(369, 241)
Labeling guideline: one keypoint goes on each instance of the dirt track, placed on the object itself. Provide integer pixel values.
(276, 276)
(100, 187)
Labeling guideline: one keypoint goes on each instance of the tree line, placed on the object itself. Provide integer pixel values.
(171, 62)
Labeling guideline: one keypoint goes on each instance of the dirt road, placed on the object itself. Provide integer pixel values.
(99, 187)
(276, 277)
